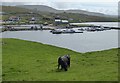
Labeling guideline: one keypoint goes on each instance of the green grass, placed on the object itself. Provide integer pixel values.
(31, 61)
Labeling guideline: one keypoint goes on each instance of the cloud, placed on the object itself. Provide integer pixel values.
(65, 5)
(106, 8)
(59, 0)
(110, 8)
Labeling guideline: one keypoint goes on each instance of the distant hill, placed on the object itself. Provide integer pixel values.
(12, 9)
(44, 8)
(86, 12)
(41, 8)
(45, 12)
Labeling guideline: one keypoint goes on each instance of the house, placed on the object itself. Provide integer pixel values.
(64, 21)
(58, 21)
(32, 20)
(14, 18)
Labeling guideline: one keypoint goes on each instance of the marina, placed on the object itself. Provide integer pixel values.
(54, 28)
(89, 39)
(86, 42)
(65, 31)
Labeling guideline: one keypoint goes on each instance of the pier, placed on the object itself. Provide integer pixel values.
(25, 28)
(94, 26)
(35, 28)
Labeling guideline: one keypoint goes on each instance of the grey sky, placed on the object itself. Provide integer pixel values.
(108, 7)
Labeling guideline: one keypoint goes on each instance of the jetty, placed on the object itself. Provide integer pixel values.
(25, 28)
(94, 26)
(38, 27)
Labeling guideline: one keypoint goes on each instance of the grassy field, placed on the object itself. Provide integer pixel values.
(31, 61)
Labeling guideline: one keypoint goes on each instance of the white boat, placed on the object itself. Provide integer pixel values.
(68, 31)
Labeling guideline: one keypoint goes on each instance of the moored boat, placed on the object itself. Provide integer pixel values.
(68, 31)
(56, 31)
(65, 31)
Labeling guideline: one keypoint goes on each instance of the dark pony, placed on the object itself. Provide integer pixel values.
(64, 62)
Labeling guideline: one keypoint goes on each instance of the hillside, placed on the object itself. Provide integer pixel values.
(41, 8)
(44, 8)
(31, 61)
(13, 9)
(47, 14)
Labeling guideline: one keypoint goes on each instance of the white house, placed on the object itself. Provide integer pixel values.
(32, 20)
(64, 21)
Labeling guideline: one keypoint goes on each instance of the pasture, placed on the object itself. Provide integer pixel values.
(31, 61)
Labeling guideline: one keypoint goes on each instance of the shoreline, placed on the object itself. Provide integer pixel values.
(75, 47)
(62, 47)
(36, 61)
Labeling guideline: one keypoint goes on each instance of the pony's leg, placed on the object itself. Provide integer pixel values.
(68, 63)
(58, 66)
(65, 67)
(59, 62)
(61, 67)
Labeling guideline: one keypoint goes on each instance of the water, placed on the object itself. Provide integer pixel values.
(80, 42)
(107, 24)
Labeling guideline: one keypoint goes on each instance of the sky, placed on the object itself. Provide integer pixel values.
(103, 6)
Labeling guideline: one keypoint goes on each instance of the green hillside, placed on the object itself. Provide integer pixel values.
(13, 9)
(42, 17)
(31, 61)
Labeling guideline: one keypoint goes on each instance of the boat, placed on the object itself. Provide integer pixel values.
(56, 31)
(99, 29)
(65, 31)
(81, 29)
(68, 31)
(91, 29)
(107, 28)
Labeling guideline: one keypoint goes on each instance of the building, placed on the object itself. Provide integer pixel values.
(14, 18)
(32, 20)
(64, 21)
(59, 21)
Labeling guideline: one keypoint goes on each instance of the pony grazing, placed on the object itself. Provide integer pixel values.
(64, 62)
